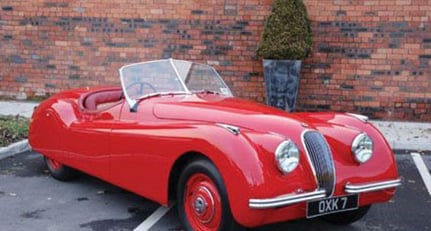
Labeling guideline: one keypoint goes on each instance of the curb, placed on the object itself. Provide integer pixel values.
(402, 145)
(15, 148)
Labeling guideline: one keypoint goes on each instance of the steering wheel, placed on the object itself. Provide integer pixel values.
(142, 86)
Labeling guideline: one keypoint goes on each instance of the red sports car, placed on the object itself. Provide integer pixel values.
(173, 131)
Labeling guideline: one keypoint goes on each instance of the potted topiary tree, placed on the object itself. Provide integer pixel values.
(285, 41)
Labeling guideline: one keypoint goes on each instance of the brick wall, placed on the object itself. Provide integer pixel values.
(370, 57)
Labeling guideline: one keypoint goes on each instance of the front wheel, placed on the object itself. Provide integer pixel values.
(202, 199)
(348, 217)
(60, 171)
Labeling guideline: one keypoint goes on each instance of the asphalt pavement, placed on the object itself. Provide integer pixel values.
(32, 200)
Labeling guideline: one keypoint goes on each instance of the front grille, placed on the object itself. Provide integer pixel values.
(321, 159)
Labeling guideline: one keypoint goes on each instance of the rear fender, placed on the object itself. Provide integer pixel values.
(48, 127)
(44, 130)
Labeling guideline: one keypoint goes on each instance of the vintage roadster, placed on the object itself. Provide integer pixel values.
(173, 131)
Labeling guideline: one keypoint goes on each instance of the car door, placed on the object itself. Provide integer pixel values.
(139, 161)
(89, 139)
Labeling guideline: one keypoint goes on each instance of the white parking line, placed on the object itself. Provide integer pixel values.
(151, 220)
(423, 170)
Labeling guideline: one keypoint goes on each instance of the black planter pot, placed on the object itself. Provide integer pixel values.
(282, 82)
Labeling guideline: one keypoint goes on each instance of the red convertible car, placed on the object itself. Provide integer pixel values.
(173, 131)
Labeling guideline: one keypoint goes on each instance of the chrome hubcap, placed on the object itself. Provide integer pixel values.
(200, 205)
(203, 203)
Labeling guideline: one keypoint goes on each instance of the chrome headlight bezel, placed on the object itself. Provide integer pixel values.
(287, 156)
(362, 148)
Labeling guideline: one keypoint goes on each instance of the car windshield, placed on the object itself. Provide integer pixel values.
(169, 76)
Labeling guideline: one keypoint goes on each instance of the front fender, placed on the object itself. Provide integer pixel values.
(246, 163)
(236, 158)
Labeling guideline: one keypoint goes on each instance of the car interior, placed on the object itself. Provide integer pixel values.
(100, 99)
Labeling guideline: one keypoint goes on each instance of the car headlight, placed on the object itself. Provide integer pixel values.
(287, 156)
(362, 148)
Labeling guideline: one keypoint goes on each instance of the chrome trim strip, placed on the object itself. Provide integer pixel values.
(359, 117)
(286, 200)
(232, 129)
(361, 188)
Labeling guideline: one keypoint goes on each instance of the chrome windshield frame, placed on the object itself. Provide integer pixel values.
(171, 61)
(133, 102)
(130, 101)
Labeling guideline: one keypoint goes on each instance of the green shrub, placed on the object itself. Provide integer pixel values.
(287, 32)
(12, 129)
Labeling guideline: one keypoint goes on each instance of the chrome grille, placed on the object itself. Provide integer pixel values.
(321, 159)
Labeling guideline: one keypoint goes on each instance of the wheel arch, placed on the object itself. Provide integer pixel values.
(178, 167)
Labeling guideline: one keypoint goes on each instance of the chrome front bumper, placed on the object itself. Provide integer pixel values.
(286, 200)
(361, 188)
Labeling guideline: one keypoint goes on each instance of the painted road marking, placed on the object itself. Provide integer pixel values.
(423, 170)
(153, 219)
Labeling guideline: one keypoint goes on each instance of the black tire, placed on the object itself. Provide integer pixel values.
(192, 174)
(59, 171)
(347, 217)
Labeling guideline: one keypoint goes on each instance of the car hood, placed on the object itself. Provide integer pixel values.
(232, 111)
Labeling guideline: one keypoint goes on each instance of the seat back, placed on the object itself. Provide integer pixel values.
(105, 96)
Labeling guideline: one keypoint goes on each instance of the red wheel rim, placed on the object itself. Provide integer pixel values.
(202, 203)
(55, 165)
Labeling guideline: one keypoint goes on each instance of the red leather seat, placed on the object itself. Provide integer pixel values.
(93, 99)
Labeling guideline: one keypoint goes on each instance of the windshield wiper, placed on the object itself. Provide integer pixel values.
(162, 94)
(136, 102)
(205, 91)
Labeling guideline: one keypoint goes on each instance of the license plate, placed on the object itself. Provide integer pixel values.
(332, 205)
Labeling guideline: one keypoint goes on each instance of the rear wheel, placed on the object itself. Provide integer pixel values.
(202, 199)
(348, 217)
(60, 171)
